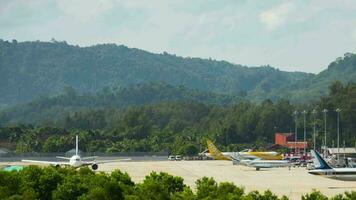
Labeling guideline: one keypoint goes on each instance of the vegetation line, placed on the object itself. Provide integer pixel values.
(68, 183)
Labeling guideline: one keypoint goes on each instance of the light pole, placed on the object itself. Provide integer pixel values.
(295, 113)
(305, 131)
(344, 150)
(325, 111)
(314, 140)
(338, 134)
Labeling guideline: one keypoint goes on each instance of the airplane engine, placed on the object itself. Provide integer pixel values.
(94, 166)
(57, 166)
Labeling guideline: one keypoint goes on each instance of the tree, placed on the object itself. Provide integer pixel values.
(229, 191)
(188, 150)
(71, 188)
(10, 184)
(69, 91)
(160, 186)
(30, 180)
(336, 88)
(315, 195)
(48, 182)
(206, 188)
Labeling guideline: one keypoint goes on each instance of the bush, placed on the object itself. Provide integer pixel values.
(160, 186)
(315, 195)
(69, 183)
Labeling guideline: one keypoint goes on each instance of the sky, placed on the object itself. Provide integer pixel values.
(304, 35)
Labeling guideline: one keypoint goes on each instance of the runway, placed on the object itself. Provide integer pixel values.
(281, 181)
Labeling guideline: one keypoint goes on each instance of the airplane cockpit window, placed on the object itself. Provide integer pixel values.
(77, 159)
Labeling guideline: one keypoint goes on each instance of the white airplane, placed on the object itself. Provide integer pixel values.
(76, 160)
(323, 169)
(259, 163)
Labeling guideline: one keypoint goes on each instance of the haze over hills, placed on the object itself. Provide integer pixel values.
(57, 107)
(32, 69)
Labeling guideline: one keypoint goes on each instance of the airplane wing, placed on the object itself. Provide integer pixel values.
(46, 162)
(104, 161)
(89, 158)
(61, 157)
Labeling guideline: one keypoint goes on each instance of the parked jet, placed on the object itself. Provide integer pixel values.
(265, 155)
(216, 154)
(76, 160)
(323, 169)
(259, 163)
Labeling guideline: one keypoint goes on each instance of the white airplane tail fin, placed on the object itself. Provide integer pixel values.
(76, 145)
(319, 162)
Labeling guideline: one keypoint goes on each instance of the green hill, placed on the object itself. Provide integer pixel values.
(343, 69)
(32, 69)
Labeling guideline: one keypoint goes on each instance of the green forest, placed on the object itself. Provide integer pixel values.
(68, 183)
(49, 124)
(70, 100)
(36, 69)
(120, 99)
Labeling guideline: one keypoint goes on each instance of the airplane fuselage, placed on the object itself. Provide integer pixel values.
(258, 163)
(262, 155)
(245, 155)
(345, 174)
(75, 161)
(221, 156)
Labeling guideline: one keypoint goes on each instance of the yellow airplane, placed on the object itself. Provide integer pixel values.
(247, 154)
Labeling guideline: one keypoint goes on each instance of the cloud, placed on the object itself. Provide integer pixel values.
(20, 13)
(84, 10)
(277, 16)
(250, 32)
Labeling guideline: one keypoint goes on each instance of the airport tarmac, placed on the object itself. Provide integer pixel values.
(281, 181)
(293, 183)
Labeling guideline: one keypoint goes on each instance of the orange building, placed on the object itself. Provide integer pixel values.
(288, 140)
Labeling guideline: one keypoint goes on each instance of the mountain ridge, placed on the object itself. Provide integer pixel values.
(32, 69)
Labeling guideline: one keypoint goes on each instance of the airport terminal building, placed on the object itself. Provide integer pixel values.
(288, 140)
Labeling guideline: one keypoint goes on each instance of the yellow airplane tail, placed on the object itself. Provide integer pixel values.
(215, 152)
